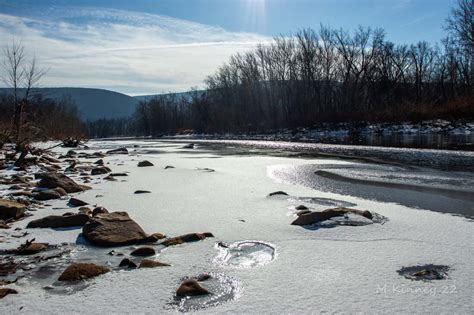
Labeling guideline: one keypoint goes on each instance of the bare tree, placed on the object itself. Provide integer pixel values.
(460, 25)
(21, 75)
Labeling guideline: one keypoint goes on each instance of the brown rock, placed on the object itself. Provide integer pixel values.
(118, 151)
(10, 209)
(315, 217)
(192, 237)
(278, 193)
(148, 263)
(191, 288)
(137, 192)
(5, 291)
(60, 191)
(3, 225)
(99, 162)
(128, 263)
(77, 202)
(203, 277)
(56, 221)
(100, 170)
(99, 210)
(80, 271)
(300, 213)
(24, 193)
(301, 207)
(54, 180)
(153, 238)
(143, 251)
(85, 210)
(49, 194)
(110, 178)
(145, 164)
(113, 229)
(31, 248)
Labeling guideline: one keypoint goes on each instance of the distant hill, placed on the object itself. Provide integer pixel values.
(179, 94)
(93, 104)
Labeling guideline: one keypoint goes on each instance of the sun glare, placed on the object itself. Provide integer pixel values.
(255, 15)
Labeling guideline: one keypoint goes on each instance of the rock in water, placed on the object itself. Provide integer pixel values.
(145, 164)
(49, 194)
(277, 193)
(191, 288)
(99, 162)
(99, 210)
(100, 170)
(57, 221)
(148, 263)
(315, 217)
(137, 192)
(113, 229)
(80, 271)
(31, 248)
(77, 202)
(128, 263)
(5, 291)
(301, 207)
(118, 151)
(53, 180)
(11, 209)
(143, 251)
(192, 237)
(153, 238)
(85, 210)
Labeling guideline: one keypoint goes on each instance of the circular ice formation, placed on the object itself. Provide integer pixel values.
(245, 254)
(222, 288)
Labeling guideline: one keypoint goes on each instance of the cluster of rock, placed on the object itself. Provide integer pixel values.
(100, 227)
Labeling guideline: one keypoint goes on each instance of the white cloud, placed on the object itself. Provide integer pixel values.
(131, 52)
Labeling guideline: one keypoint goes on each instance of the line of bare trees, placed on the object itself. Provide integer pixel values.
(328, 75)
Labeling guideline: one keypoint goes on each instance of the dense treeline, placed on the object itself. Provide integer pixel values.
(329, 75)
(43, 119)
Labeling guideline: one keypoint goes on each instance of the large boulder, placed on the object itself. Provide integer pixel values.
(316, 217)
(191, 288)
(113, 229)
(53, 180)
(192, 237)
(57, 221)
(80, 271)
(11, 210)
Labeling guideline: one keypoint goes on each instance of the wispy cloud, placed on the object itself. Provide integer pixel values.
(127, 51)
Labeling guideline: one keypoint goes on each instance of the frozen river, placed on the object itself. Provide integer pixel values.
(260, 263)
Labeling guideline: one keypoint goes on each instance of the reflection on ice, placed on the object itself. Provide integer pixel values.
(245, 254)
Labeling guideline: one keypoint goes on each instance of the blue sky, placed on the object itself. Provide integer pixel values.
(148, 46)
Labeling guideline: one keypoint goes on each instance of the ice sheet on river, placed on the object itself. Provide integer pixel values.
(343, 269)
